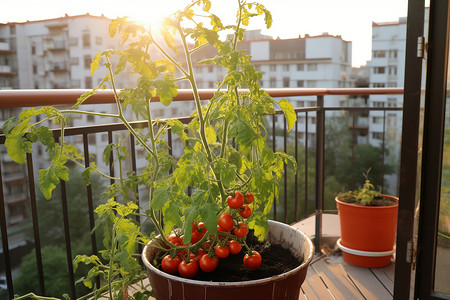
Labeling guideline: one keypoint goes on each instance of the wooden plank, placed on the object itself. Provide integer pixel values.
(386, 276)
(335, 278)
(367, 282)
(313, 287)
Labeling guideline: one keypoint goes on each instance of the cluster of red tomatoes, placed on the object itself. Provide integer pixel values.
(230, 238)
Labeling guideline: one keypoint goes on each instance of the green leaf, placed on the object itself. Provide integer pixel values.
(227, 171)
(171, 214)
(289, 113)
(161, 195)
(261, 226)
(9, 124)
(50, 177)
(166, 89)
(18, 146)
(209, 216)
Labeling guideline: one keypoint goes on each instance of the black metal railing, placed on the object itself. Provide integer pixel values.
(313, 141)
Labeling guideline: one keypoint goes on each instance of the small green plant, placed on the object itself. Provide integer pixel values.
(232, 174)
(366, 195)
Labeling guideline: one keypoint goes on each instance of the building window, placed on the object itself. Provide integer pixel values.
(378, 84)
(12, 29)
(392, 53)
(392, 84)
(273, 82)
(210, 69)
(34, 69)
(98, 40)
(33, 50)
(379, 70)
(312, 67)
(392, 102)
(273, 67)
(92, 139)
(300, 67)
(286, 67)
(86, 39)
(392, 70)
(285, 82)
(88, 83)
(300, 83)
(90, 119)
(377, 135)
(378, 104)
(377, 120)
(379, 53)
(211, 84)
(87, 61)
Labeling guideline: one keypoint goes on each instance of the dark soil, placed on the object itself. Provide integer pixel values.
(275, 260)
(377, 201)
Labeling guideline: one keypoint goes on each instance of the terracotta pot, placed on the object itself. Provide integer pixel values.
(367, 233)
(285, 286)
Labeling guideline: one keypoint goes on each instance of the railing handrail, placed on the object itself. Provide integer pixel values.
(44, 97)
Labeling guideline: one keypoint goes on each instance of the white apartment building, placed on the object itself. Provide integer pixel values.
(387, 70)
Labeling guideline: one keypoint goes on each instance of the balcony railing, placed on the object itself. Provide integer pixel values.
(305, 203)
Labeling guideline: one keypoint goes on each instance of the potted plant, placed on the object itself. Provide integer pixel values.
(368, 222)
(231, 174)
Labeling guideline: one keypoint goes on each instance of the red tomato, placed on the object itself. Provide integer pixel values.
(237, 201)
(249, 198)
(198, 231)
(234, 247)
(188, 269)
(208, 264)
(220, 229)
(198, 255)
(170, 265)
(221, 252)
(241, 231)
(245, 211)
(252, 261)
(226, 222)
(174, 240)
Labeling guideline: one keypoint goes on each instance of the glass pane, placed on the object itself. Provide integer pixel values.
(442, 271)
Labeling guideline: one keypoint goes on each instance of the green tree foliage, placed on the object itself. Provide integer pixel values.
(56, 278)
(51, 216)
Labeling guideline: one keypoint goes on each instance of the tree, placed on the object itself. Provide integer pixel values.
(56, 279)
(51, 217)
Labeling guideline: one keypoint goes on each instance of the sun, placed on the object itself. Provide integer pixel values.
(152, 13)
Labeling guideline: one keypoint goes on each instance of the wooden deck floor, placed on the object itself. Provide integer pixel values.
(330, 277)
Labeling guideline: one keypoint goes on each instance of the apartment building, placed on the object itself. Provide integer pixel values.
(322, 61)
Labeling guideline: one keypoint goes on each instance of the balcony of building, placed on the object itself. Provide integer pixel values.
(329, 277)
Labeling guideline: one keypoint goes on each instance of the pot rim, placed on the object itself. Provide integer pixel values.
(306, 261)
(369, 207)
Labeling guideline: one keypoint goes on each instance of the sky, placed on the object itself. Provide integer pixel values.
(351, 19)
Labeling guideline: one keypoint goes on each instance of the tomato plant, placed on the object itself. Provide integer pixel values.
(234, 247)
(252, 261)
(188, 269)
(169, 264)
(208, 264)
(224, 145)
(245, 211)
(226, 222)
(241, 231)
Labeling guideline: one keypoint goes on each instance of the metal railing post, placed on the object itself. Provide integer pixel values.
(320, 150)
